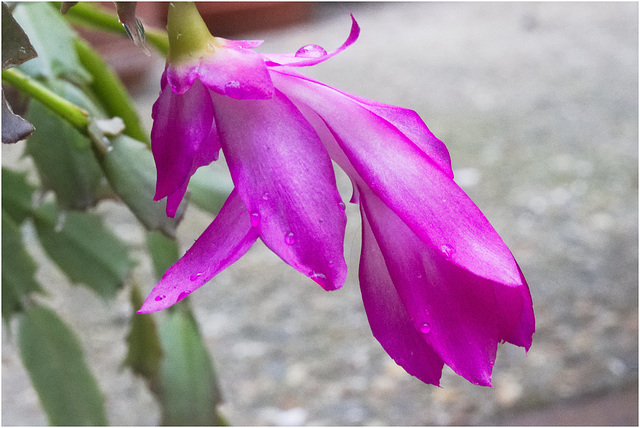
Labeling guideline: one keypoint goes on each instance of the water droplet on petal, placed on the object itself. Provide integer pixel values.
(255, 219)
(310, 51)
(183, 295)
(448, 251)
(289, 238)
(158, 298)
(425, 328)
(233, 89)
(321, 220)
(342, 206)
(265, 196)
(195, 277)
(426, 311)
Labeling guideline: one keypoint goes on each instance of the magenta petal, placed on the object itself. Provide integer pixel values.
(237, 73)
(241, 44)
(228, 237)
(409, 181)
(181, 77)
(182, 137)
(462, 316)
(313, 56)
(285, 177)
(406, 121)
(388, 318)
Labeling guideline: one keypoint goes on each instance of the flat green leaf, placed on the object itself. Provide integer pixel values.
(131, 172)
(163, 251)
(18, 269)
(85, 250)
(209, 188)
(190, 391)
(16, 195)
(52, 37)
(59, 373)
(144, 354)
(66, 164)
(16, 47)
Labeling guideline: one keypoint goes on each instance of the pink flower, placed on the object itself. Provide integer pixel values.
(438, 283)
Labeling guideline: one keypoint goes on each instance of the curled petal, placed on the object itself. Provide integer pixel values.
(313, 56)
(183, 138)
(460, 315)
(225, 241)
(411, 182)
(285, 178)
(236, 72)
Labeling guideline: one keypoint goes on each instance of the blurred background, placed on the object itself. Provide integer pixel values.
(538, 105)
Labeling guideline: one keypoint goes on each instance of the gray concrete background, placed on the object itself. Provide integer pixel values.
(538, 105)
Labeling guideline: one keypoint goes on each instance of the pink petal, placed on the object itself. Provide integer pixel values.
(314, 55)
(285, 178)
(225, 241)
(407, 122)
(183, 138)
(462, 316)
(388, 318)
(409, 181)
(236, 72)
(241, 44)
(180, 77)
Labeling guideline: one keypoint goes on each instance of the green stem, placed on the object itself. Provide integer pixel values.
(87, 15)
(110, 90)
(70, 112)
(189, 36)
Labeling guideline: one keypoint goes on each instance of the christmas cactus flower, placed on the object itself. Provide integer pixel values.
(438, 283)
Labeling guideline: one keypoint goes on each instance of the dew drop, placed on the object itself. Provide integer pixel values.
(183, 295)
(342, 206)
(317, 275)
(426, 311)
(311, 51)
(448, 251)
(158, 298)
(265, 197)
(331, 263)
(195, 277)
(255, 219)
(425, 328)
(321, 220)
(233, 89)
(289, 238)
